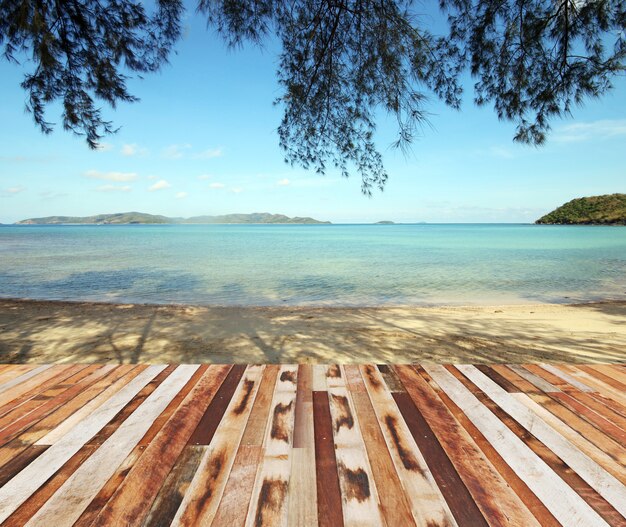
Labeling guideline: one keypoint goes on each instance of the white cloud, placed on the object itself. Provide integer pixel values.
(153, 178)
(181, 195)
(111, 176)
(579, 132)
(216, 185)
(133, 150)
(175, 151)
(104, 147)
(283, 182)
(12, 191)
(210, 153)
(236, 190)
(204, 176)
(159, 185)
(113, 188)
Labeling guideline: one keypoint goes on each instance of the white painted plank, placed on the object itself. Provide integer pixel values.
(559, 498)
(596, 476)
(26, 482)
(70, 500)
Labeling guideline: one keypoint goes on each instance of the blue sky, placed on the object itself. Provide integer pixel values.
(203, 140)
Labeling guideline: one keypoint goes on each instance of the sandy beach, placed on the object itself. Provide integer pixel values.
(45, 331)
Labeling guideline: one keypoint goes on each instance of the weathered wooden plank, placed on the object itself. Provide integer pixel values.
(36, 500)
(257, 422)
(233, 507)
(19, 461)
(34, 397)
(8, 372)
(270, 496)
(173, 491)
(520, 383)
(611, 378)
(604, 509)
(206, 489)
(133, 499)
(329, 507)
(13, 388)
(567, 506)
(302, 509)
(67, 504)
(599, 421)
(597, 477)
(79, 383)
(427, 502)
(24, 484)
(582, 441)
(121, 376)
(498, 502)
(550, 377)
(594, 382)
(600, 407)
(571, 380)
(539, 382)
(496, 377)
(521, 489)
(358, 489)
(203, 434)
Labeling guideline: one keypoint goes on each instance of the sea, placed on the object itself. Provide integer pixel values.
(314, 265)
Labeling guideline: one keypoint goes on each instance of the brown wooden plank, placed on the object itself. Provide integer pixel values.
(459, 499)
(496, 377)
(19, 461)
(31, 399)
(495, 498)
(520, 383)
(205, 491)
(26, 510)
(233, 507)
(604, 376)
(586, 430)
(50, 401)
(580, 486)
(599, 406)
(171, 494)
(329, 509)
(391, 379)
(133, 498)
(257, 422)
(214, 413)
(530, 500)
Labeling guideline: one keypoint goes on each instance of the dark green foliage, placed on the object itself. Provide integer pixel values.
(124, 218)
(341, 62)
(80, 49)
(607, 209)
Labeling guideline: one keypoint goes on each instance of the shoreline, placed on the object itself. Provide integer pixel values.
(45, 331)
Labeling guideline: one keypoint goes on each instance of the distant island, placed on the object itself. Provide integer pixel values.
(609, 209)
(385, 222)
(140, 218)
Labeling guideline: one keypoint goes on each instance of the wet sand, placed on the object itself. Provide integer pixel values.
(46, 332)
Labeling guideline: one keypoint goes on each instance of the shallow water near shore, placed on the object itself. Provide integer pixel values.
(339, 265)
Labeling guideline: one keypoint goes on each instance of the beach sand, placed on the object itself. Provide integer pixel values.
(45, 332)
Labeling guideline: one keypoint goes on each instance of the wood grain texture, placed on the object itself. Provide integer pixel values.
(313, 445)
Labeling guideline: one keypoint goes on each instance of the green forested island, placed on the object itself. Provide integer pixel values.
(126, 218)
(609, 209)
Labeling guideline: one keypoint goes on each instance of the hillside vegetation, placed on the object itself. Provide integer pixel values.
(124, 218)
(609, 209)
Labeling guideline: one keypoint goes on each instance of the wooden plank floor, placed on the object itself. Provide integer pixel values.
(427, 445)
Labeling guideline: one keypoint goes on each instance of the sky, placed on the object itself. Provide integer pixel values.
(203, 140)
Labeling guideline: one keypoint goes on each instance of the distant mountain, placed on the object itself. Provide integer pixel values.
(125, 218)
(609, 209)
(384, 222)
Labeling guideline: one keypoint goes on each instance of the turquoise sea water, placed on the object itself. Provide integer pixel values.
(314, 264)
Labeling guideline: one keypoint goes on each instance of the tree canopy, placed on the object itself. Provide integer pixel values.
(340, 63)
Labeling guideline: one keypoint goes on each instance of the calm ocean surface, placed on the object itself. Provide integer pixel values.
(314, 265)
